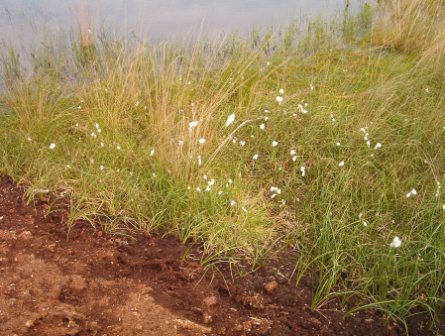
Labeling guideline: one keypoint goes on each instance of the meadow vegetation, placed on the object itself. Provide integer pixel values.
(330, 143)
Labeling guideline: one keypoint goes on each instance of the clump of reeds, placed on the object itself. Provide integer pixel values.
(87, 48)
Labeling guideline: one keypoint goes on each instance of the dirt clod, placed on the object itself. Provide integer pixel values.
(206, 318)
(210, 301)
(270, 286)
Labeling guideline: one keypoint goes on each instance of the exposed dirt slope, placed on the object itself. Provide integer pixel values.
(86, 283)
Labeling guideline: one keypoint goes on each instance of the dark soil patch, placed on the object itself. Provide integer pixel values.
(86, 283)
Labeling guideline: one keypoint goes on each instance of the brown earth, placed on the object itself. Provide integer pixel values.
(86, 283)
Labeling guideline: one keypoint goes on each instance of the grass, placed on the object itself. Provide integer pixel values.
(335, 186)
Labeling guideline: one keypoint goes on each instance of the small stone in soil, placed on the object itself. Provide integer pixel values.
(210, 301)
(270, 286)
(207, 318)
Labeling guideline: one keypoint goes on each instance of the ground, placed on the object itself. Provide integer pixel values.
(84, 282)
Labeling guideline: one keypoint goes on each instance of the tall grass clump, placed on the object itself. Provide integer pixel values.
(329, 143)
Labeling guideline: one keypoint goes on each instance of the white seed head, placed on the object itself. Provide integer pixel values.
(396, 242)
(413, 192)
(230, 119)
(193, 124)
(302, 109)
(275, 190)
(303, 171)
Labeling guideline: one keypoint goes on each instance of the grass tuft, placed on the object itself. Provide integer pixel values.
(336, 149)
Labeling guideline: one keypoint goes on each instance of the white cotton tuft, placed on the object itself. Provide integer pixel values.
(230, 120)
(396, 242)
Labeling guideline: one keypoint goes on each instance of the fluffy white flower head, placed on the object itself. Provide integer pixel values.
(193, 124)
(302, 109)
(396, 242)
(230, 119)
(413, 192)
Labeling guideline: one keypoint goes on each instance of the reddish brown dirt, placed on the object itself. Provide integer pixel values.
(86, 283)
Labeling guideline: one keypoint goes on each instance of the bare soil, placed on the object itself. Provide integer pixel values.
(87, 283)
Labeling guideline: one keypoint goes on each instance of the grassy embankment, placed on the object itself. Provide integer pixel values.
(350, 159)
